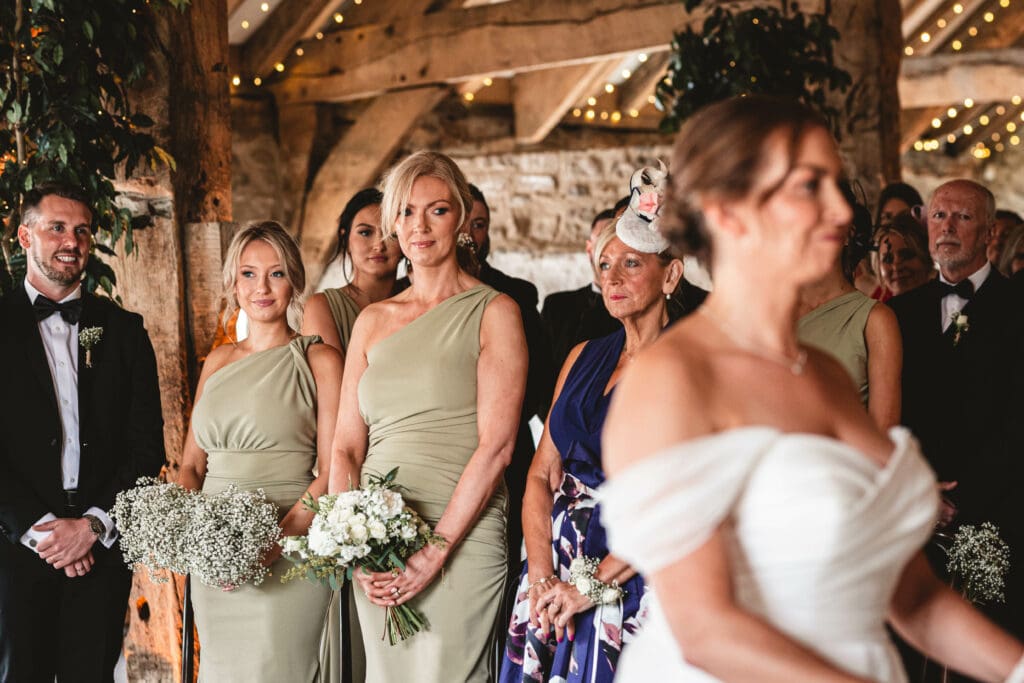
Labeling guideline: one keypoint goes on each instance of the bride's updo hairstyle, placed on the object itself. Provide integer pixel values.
(720, 152)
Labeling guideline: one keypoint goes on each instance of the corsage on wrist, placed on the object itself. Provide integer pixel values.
(581, 574)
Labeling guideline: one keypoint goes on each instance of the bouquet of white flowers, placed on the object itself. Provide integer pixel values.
(219, 539)
(979, 561)
(369, 527)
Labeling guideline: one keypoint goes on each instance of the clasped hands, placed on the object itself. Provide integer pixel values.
(69, 545)
(390, 589)
(555, 603)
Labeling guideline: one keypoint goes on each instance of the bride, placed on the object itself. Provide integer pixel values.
(778, 526)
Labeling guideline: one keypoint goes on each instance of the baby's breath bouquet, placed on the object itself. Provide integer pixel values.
(219, 539)
(979, 560)
(370, 528)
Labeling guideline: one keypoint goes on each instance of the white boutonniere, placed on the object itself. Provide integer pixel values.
(960, 326)
(88, 338)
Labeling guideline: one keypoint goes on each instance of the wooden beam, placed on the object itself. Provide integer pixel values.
(233, 5)
(941, 40)
(291, 21)
(633, 93)
(915, 17)
(458, 45)
(357, 162)
(983, 75)
(914, 123)
(541, 98)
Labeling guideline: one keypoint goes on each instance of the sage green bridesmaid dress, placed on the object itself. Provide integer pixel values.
(344, 311)
(256, 421)
(418, 397)
(837, 327)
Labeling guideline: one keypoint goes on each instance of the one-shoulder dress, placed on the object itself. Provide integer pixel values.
(817, 535)
(575, 423)
(418, 396)
(256, 421)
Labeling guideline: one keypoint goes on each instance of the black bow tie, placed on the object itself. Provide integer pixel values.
(963, 289)
(71, 311)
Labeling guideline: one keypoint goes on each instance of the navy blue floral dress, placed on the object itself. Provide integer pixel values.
(575, 423)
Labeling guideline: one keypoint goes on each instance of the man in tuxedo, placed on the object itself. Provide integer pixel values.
(963, 373)
(540, 379)
(578, 314)
(79, 422)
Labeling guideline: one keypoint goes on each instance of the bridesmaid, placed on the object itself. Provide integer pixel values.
(561, 518)
(433, 384)
(263, 418)
(374, 264)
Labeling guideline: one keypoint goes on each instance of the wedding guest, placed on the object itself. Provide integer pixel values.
(778, 527)
(904, 262)
(540, 376)
(263, 419)
(1005, 221)
(433, 385)
(963, 334)
(864, 337)
(370, 263)
(578, 315)
(557, 632)
(895, 198)
(80, 421)
(1011, 261)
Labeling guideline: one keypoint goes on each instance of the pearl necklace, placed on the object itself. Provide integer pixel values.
(794, 365)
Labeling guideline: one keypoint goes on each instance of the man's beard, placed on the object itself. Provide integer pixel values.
(61, 277)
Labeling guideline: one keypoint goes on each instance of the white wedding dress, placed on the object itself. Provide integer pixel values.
(817, 533)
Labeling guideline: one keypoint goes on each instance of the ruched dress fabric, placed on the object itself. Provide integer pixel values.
(837, 328)
(817, 537)
(344, 311)
(256, 421)
(576, 530)
(418, 396)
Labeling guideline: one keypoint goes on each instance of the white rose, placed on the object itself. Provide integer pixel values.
(378, 530)
(358, 532)
(583, 585)
(357, 519)
(321, 543)
(349, 499)
(408, 532)
(393, 504)
(292, 544)
(609, 595)
(346, 554)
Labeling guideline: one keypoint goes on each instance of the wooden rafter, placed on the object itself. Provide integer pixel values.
(233, 5)
(291, 21)
(940, 80)
(914, 17)
(633, 93)
(971, 8)
(541, 98)
(457, 45)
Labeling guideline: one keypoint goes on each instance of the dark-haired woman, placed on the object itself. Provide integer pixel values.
(863, 336)
(894, 199)
(374, 263)
(779, 529)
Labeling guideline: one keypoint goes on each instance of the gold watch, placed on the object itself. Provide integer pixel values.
(95, 525)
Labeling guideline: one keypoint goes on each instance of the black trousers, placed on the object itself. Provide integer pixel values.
(52, 626)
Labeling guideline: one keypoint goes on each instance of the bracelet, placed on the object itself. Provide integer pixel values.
(1017, 675)
(541, 582)
(582, 573)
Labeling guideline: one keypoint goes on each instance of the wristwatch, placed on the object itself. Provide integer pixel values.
(95, 525)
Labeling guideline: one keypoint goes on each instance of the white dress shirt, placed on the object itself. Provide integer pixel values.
(60, 341)
(954, 303)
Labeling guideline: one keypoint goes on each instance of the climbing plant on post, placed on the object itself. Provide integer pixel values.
(65, 68)
(771, 49)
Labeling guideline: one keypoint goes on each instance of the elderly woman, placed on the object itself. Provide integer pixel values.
(560, 630)
(264, 419)
(779, 528)
(434, 381)
(904, 262)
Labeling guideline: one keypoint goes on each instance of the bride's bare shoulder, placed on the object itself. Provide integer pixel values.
(661, 400)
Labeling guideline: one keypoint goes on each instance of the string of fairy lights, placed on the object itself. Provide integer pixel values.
(980, 128)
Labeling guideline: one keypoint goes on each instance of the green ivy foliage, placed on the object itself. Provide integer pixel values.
(767, 49)
(65, 70)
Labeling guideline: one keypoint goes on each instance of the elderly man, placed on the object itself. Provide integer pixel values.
(963, 372)
(80, 420)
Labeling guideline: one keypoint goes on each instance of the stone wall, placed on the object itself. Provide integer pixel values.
(1000, 173)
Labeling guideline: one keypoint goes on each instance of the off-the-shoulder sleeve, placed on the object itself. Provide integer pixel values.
(664, 507)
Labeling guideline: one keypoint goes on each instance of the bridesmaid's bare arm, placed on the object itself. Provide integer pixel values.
(193, 458)
(317, 319)
(351, 433)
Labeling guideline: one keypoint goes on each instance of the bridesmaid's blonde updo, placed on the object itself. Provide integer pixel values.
(274, 234)
(720, 152)
(399, 181)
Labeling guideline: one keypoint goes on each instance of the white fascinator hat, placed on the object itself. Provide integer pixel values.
(638, 226)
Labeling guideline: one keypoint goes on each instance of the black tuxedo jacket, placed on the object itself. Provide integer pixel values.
(120, 423)
(965, 402)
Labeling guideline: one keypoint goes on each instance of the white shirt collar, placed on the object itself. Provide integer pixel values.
(33, 293)
(977, 278)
